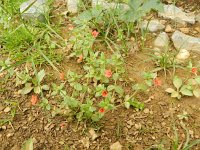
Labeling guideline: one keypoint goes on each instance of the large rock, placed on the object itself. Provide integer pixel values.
(176, 14)
(152, 26)
(72, 6)
(34, 9)
(183, 41)
(162, 41)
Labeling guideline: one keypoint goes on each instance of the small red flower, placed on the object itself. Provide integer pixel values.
(62, 76)
(104, 93)
(194, 71)
(80, 59)
(108, 73)
(157, 82)
(101, 110)
(34, 99)
(95, 33)
(71, 27)
(62, 125)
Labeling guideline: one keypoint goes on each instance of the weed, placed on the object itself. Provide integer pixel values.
(189, 89)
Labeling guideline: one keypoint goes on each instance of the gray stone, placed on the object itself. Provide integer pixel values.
(72, 6)
(162, 41)
(34, 9)
(152, 26)
(176, 14)
(183, 41)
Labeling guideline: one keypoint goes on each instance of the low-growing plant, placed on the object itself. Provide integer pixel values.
(189, 89)
(30, 83)
(149, 77)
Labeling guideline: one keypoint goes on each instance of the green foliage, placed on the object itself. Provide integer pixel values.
(149, 76)
(189, 89)
(30, 83)
(139, 9)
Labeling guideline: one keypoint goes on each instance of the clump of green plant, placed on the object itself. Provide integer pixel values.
(164, 61)
(115, 20)
(191, 88)
(31, 83)
(149, 77)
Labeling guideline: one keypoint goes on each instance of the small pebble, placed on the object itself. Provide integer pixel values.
(9, 135)
(3, 127)
(146, 110)
(7, 109)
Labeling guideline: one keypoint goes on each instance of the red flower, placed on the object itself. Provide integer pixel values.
(157, 82)
(80, 59)
(34, 99)
(108, 73)
(62, 76)
(62, 125)
(104, 93)
(194, 71)
(71, 27)
(95, 33)
(101, 110)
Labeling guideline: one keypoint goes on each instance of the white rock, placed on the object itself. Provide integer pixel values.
(183, 41)
(72, 6)
(152, 26)
(197, 18)
(116, 146)
(176, 14)
(107, 5)
(162, 41)
(31, 9)
(182, 55)
(7, 109)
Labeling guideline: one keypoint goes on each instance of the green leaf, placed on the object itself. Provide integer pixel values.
(115, 76)
(110, 88)
(78, 86)
(41, 75)
(45, 87)
(197, 78)
(196, 93)
(177, 82)
(37, 90)
(186, 91)
(119, 90)
(175, 94)
(169, 90)
(127, 105)
(28, 145)
(27, 89)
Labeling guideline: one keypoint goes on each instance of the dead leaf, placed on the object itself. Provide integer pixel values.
(93, 134)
